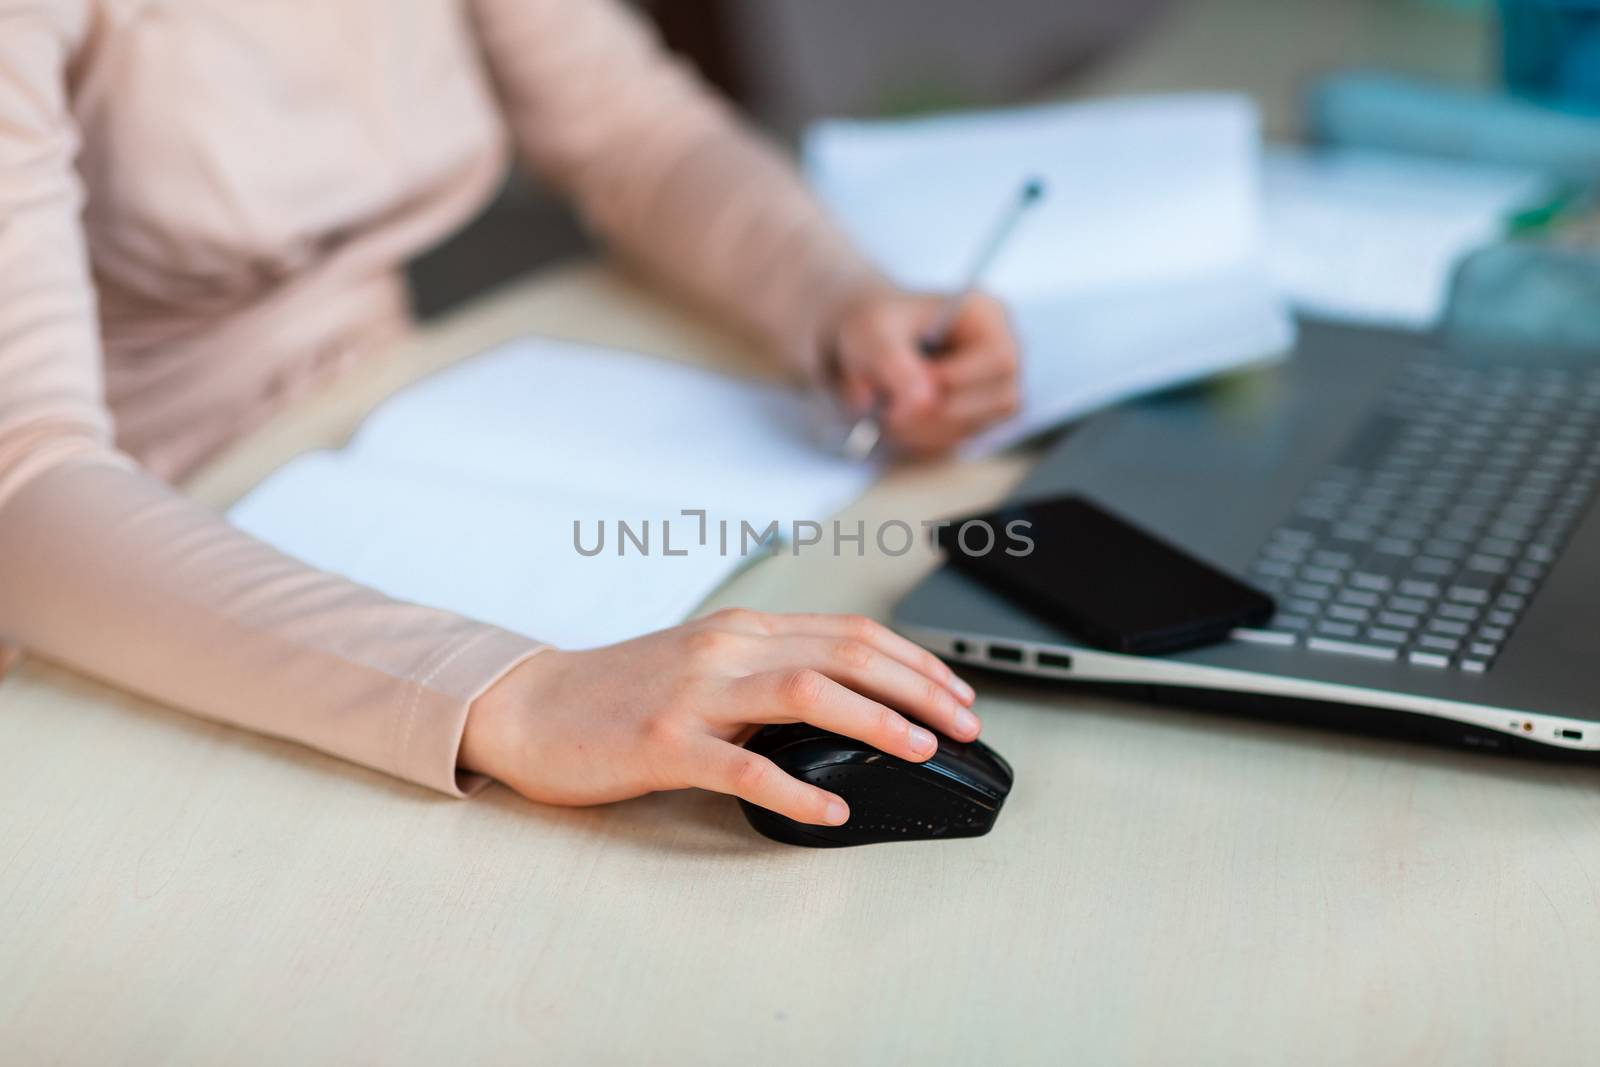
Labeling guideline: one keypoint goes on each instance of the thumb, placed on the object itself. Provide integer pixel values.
(856, 391)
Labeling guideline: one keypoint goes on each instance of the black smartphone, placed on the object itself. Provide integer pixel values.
(1101, 578)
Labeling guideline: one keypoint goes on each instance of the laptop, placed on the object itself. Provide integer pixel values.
(1421, 513)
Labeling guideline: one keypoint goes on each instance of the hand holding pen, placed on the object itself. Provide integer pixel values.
(924, 373)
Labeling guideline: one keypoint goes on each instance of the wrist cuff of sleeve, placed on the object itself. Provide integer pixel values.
(439, 700)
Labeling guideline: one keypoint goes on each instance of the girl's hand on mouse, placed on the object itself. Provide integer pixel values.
(668, 710)
(929, 404)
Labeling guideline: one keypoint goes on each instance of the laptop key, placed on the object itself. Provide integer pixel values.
(1353, 648)
(1445, 551)
(1284, 553)
(1321, 575)
(1428, 659)
(1279, 638)
(1295, 535)
(1304, 534)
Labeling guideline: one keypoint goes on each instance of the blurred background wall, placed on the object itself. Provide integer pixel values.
(787, 62)
(790, 61)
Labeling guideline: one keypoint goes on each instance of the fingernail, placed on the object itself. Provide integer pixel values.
(922, 742)
(837, 814)
(963, 690)
(967, 723)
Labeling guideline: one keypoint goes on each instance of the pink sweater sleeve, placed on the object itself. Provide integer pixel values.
(661, 169)
(109, 571)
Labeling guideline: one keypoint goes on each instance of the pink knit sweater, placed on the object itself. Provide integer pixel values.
(204, 205)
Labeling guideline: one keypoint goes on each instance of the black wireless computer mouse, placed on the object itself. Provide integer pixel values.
(957, 793)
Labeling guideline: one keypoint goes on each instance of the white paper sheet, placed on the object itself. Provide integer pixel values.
(548, 411)
(1373, 237)
(1090, 352)
(461, 492)
(1142, 268)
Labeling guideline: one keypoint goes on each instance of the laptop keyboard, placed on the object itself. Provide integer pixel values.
(1425, 540)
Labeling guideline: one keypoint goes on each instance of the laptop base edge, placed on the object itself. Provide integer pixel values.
(1281, 699)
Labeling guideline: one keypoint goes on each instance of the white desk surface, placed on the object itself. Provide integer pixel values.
(1163, 886)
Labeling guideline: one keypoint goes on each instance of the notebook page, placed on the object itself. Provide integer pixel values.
(510, 558)
(462, 492)
(553, 412)
(1087, 353)
(1138, 191)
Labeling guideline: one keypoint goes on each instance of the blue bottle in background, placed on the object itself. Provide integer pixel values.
(1551, 51)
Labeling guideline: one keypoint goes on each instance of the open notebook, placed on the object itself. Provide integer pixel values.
(462, 491)
(1142, 268)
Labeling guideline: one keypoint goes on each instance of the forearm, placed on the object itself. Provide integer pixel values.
(663, 170)
(108, 571)
(733, 229)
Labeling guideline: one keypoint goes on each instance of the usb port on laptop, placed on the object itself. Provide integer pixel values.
(1005, 653)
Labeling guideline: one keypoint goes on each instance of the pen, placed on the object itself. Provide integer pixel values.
(864, 435)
